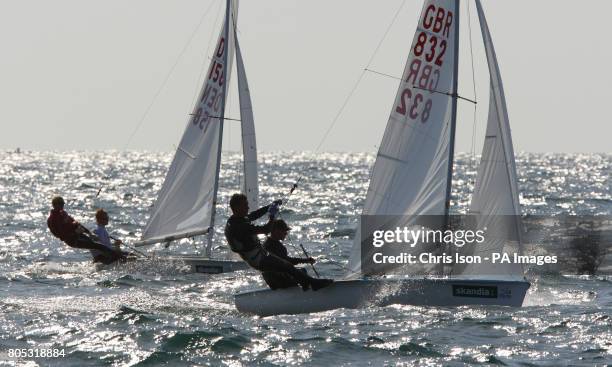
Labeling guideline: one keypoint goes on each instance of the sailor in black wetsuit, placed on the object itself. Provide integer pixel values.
(241, 236)
(273, 245)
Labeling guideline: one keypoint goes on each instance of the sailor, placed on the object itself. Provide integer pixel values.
(241, 236)
(274, 246)
(72, 232)
(105, 239)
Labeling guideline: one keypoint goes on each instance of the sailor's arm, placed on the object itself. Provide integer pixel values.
(297, 260)
(76, 226)
(249, 229)
(256, 214)
(293, 260)
(265, 229)
(263, 210)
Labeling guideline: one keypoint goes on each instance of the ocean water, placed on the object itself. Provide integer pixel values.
(153, 313)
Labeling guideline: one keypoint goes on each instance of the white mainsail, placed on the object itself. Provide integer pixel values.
(186, 201)
(495, 201)
(249, 184)
(410, 173)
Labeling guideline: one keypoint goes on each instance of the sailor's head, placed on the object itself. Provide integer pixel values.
(57, 202)
(239, 204)
(279, 230)
(101, 217)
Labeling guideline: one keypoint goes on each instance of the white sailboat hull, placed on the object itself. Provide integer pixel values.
(383, 292)
(206, 265)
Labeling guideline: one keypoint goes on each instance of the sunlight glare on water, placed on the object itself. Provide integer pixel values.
(155, 312)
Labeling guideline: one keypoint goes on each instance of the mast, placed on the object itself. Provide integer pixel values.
(211, 230)
(451, 146)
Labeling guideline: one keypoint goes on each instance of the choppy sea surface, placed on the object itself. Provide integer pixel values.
(152, 313)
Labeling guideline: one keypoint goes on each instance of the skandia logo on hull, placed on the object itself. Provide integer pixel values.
(474, 291)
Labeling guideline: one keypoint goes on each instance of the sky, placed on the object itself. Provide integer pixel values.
(117, 74)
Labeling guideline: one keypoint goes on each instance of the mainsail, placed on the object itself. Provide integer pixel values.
(495, 201)
(249, 184)
(185, 205)
(410, 173)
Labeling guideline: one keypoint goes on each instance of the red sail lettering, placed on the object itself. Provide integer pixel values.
(413, 71)
(413, 111)
(433, 83)
(221, 47)
(406, 95)
(428, 18)
(212, 98)
(425, 77)
(440, 58)
(437, 27)
(216, 70)
(438, 19)
(449, 21)
(420, 44)
(206, 92)
(432, 51)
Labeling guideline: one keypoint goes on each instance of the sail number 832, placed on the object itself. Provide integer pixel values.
(409, 106)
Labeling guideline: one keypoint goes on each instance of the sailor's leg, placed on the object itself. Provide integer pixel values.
(276, 264)
(277, 280)
(99, 259)
(85, 242)
(107, 260)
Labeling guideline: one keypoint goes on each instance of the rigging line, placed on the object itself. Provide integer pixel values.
(219, 117)
(383, 74)
(146, 113)
(352, 91)
(385, 34)
(473, 145)
(425, 89)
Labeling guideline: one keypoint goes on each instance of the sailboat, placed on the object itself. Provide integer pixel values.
(186, 204)
(412, 177)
